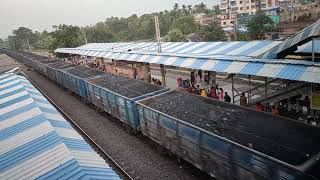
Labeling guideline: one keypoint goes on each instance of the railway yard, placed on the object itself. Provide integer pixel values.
(137, 155)
(203, 91)
(145, 131)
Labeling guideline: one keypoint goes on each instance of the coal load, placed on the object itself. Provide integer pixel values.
(46, 61)
(83, 72)
(124, 86)
(60, 65)
(281, 138)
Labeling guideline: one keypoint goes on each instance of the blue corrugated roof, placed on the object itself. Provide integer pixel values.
(273, 68)
(307, 48)
(37, 142)
(302, 36)
(248, 49)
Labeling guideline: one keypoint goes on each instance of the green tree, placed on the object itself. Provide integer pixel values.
(147, 28)
(67, 36)
(175, 35)
(185, 11)
(176, 12)
(186, 24)
(100, 33)
(190, 9)
(259, 25)
(213, 33)
(1, 43)
(19, 37)
(200, 8)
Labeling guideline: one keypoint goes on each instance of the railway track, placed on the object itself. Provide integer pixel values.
(122, 173)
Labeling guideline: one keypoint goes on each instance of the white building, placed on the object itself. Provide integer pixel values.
(231, 8)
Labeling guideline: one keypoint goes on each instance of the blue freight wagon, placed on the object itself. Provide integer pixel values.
(118, 95)
(41, 65)
(53, 70)
(231, 142)
(74, 79)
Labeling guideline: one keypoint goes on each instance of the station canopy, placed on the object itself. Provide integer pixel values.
(238, 57)
(307, 48)
(292, 43)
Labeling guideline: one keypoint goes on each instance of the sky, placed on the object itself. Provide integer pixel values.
(43, 14)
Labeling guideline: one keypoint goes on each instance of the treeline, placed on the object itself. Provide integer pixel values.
(175, 25)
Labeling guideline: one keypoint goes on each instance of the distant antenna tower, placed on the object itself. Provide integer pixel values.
(158, 35)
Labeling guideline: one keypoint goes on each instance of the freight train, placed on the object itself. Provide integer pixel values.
(223, 140)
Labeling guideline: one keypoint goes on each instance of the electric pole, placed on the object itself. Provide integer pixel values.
(158, 36)
(28, 45)
(85, 36)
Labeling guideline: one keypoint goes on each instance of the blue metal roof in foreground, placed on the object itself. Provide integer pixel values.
(37, 142)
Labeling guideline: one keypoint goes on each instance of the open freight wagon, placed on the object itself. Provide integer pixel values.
(73, 78)
(231, 142)
(118, 95)
(40, 64)
(54, 70)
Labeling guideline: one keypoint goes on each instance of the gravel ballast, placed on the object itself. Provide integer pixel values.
(284, 139)
(136, 154)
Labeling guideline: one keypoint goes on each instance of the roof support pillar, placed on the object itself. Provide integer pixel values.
(232, 87)
(163, 75)
(313, 49)
(249, 94)
(147, 72)
(212, 77)
(265, 87)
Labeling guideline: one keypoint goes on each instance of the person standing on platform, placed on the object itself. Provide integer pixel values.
(275, 111)
(259, 107)
(227, 98)
(221, 94)
(200, 74)
(180, 82)
(203, 93)
(213, 93)
(198, 90)
(192, 78)
(243, 100)
(268, 108)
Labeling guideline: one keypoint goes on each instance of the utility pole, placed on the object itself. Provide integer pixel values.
(236, 27)
(158, 36)
(84, 36)
(28, 45)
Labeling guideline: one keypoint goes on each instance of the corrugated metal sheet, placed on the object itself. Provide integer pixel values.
(284, 69)
(37, 142)
(225, 49)
(302, 36)
(307, 48)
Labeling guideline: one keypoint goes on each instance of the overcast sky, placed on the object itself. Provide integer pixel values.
(43, 14)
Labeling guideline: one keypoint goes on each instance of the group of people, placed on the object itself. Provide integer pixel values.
(214, 92)
(200, 85)
(267, 108)
(156, 81)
